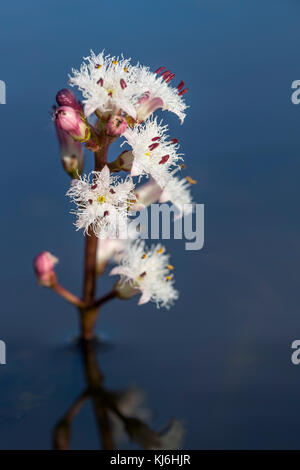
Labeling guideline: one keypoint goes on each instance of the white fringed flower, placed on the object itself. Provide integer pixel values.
(104, 203)
(147, 271)
(110, 84)
(154, 154)
(177, 191)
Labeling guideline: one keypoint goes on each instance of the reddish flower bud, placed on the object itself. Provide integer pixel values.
(116, 125)
(43, 266)
(71, 121)
(66, 97)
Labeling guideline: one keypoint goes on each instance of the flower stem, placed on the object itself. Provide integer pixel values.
(73, 299)
(88, 316)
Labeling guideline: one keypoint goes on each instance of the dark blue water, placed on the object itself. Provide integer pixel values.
(219, 361)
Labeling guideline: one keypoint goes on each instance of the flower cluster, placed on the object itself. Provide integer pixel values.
(119, 99)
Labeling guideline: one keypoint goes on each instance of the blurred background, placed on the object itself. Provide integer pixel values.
(219, 360)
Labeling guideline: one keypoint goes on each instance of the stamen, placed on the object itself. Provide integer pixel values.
(169, 266)
(153, 146)
(147, 154)
(170, 77)
(180, 85)
(114, 62)
(110, 92)
(168, 278)
(144, 256)
(190, 180)
(164, 159)
(140, 277)
(125, 69)
(112, 191)
(100, 82)
(160, 251)
(105, 213)
(123, 84)
(90, 201)
(94, 186)
(159, 70)
(183, 92)
(98, 66)
(155, 138)
(101, 199)
(174, 141)
(183, 166)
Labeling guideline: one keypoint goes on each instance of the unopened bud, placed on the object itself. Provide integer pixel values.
(43, 266)
(116, 125)
(71, 151)
(71, 121)
(66, 97)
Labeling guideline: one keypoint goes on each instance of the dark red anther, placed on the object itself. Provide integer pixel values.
(143, 274)
(153, 146)
(123, 84)
(159, 70)
(180, 85)
(164, 159)
(183, 91)
(94, 186)
(170, 77)
(112, 191)
(90, 201)
(166, 74)
(100, 82)
(105, 213)
(174, 141)
(155, 138)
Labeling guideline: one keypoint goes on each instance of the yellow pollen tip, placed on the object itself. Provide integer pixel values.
(190, 180)
(98, 66)
(168, 278)
(170, 267)
(161, 250)
(147, 154)
(101, 199)
(144, 256)
(115, 62)
(110, 91)
(125, 69)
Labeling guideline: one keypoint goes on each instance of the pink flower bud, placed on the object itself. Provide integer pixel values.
(116, 125)
(43, 266)
(66, 97)
(72, 156)
(71, 121)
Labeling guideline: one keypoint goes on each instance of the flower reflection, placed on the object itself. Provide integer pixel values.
(118, 413)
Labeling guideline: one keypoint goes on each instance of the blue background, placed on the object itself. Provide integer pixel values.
(219, 361)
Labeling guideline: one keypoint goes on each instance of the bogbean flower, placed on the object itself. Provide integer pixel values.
(103, 202)
(110, 84)
(154, 154)
(146, 271)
